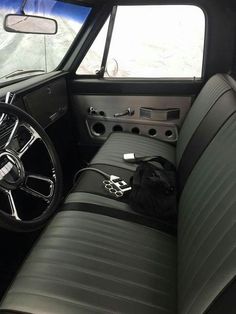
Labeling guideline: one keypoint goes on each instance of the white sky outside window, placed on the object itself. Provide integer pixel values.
(165, 41)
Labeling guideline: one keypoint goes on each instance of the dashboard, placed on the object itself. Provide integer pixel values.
(44, 97)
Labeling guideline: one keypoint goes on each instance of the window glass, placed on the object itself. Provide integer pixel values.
(93, 59)
(164, 41)
(161, 41)
(20, 53)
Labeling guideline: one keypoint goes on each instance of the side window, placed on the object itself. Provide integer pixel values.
(93, 59)
(161, 41)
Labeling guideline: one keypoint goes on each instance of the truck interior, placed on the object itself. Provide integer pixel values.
(81, 84)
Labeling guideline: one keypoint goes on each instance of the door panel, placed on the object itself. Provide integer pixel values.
(97, 116)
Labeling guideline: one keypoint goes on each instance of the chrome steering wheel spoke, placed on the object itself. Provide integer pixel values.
(33, 192)
(3, 117)
(12, 134)
(34, 136)
(14, 212)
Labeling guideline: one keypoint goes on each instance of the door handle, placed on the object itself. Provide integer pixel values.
(127, 112)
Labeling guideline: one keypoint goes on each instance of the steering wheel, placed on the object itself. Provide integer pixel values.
(21, 189)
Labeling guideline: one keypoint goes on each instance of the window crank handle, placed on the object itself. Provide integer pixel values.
(127, 112)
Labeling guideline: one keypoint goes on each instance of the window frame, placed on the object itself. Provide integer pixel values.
(84, 39)
(101, 72)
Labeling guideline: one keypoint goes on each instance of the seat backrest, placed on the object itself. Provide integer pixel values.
(213, 91)
(207, 229)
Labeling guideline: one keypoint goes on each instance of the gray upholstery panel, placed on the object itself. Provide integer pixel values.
(213, 89)
(88, 263)
(207, 229)
(111, 153)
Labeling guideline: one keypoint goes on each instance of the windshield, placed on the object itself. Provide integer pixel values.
(22, 55)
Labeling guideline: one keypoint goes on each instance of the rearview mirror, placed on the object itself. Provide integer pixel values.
(30, 24)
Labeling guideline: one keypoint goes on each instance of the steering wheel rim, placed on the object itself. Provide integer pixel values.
(14, 177)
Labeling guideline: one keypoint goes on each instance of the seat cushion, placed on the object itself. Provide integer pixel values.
(111, 153)
(89, 194)
(89, 263)
(90, 181)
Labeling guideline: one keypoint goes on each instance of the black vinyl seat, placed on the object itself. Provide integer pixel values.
(91, 263)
